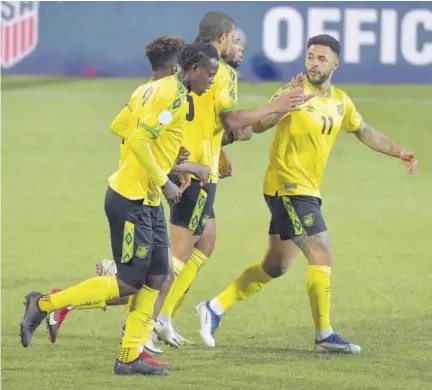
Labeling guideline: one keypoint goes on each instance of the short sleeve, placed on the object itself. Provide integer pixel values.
(352, 119)
(225, 91)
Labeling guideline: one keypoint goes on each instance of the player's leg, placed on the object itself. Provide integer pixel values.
(122, 214)
(202, 251)
(309, 232)
(153, 261)
(279, 256)
(276, 261)
(55, 319)
(188, 219)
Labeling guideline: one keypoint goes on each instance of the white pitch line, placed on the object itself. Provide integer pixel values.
(254, 98)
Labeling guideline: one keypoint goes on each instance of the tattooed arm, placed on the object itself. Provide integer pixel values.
(378, 141)
(267, 123)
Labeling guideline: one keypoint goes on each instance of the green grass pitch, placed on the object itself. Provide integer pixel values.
(56, 156)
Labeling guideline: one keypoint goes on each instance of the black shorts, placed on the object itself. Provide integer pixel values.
(293, 216)
(139, 238)
(195, 207)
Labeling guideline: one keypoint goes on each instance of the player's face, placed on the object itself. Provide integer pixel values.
(202, 77)
(235, 56)
(321, 62)
(227, 41)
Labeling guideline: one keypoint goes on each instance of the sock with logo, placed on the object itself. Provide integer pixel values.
(92, 291)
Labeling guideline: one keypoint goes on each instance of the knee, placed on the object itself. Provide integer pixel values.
(275, 265)
(156, 281)
(128, 285)
(206, 244)
(275, 270)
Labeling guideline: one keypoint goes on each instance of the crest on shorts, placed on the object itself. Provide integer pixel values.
(309, 220)
(340, 108)
(204, 220)
(19, 31)
(142, 251)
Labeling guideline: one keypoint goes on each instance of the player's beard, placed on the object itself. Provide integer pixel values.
(322, 79)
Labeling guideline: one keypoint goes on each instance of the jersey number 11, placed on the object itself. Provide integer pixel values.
(324, 127)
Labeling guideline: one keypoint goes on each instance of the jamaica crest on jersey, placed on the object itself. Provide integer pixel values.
(19, 30)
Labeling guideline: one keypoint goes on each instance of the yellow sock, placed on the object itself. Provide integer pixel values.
(139, 323)
(97, 305)
(183, 281)
(179, 303)
(318, 289)
(251, 281)
(178, 266)
(90, 292)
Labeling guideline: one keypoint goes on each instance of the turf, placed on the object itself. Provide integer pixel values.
(56, 155)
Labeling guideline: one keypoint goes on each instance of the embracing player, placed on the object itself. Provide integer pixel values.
(139, 238)
(298, 156)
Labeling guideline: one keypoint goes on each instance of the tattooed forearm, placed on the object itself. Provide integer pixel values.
(267, 123)
(378, 141)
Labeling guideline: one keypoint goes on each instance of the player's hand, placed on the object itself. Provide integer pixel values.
(244, 134)
(226, 167)
(202, 172)
(171, 192)
(185, 182)
(409, 160)
(291, 101)
(183, 155)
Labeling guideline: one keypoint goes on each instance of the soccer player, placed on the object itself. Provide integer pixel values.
(298, 156)
(216, 111)
(138, 229)
(162, 54)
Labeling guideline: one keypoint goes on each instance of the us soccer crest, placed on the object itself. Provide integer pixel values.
(19, 30)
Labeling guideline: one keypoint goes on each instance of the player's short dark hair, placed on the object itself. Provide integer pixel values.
(325, 40)
(213, 25)
(162, 50)
(197, 53)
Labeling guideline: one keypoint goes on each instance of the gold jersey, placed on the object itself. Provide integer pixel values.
(304, 139)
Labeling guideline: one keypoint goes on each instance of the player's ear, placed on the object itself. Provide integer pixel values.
(336, 64)
(195, 67)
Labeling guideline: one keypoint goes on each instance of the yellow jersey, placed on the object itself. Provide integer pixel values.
(125, 122)
(304, 139)
(153, 147)
(204, 129)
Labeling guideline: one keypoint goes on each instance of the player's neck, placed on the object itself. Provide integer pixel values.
(218, 47)
(183, 78)
(160, 74)
(323, 89)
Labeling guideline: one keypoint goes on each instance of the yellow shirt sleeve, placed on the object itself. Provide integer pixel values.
(352, 120)
(225, 91)
(280, 91)
(120, 123)
(154, 116)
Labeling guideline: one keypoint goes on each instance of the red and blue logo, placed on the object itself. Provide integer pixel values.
(19, 31)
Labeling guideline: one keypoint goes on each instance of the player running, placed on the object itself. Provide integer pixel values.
(298, 156)
(215, 111)
(162, 54)
(138, 229)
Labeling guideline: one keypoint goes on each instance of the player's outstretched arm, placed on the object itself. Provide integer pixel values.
(380, 143)
(234, 120)
(296, 88)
